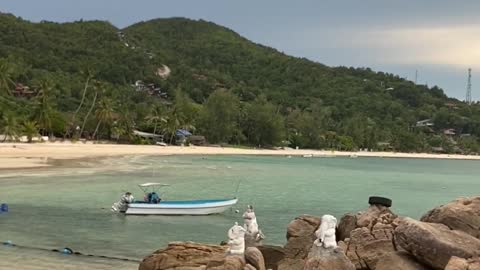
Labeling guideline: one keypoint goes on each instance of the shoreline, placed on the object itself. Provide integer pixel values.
(17, 156)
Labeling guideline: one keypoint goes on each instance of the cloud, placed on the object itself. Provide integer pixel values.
(457, 46)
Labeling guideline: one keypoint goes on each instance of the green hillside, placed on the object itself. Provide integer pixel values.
(220, 85)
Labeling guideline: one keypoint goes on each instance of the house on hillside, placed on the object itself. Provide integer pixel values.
(22, 91)
(150, 89)
(139, 86)
(424, 123)
(449, 132)
(451, 105)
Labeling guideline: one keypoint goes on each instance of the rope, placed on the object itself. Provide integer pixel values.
(68, 251)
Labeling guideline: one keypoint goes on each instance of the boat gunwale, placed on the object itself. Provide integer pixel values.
(186, 204)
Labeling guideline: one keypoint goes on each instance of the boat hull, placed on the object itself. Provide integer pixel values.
(194, 208)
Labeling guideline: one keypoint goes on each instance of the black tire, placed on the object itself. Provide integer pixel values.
(380, 201)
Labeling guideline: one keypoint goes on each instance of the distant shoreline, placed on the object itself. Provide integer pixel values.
(15, 156)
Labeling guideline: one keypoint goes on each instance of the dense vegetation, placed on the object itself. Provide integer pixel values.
(221, 85)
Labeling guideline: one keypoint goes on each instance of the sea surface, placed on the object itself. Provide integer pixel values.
(70, 207)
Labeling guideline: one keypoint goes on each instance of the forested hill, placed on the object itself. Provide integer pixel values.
(208, 79)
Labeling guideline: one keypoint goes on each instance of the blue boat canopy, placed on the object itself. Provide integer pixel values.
(183, 132)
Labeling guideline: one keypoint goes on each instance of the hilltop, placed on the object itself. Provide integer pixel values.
(165, 74)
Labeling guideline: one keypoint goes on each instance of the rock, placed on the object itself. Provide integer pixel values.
(366, 247)
(433, 244)
(191, 256)
(347, 224)
(302, 225)
(399, 261)
(254, 257)
(234, 262)
(300, 237)
(231, 262)
(291, 264)
(368, 235)
(321, 258)
(375, 214)
(272, 255)
(457, 263)
(249, 267)
(462, 214)
(253, 240)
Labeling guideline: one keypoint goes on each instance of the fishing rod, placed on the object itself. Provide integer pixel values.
(238, 187)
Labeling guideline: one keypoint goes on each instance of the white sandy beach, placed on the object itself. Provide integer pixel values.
(22, 155)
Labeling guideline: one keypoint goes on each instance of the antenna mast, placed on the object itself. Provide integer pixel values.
(468, 98)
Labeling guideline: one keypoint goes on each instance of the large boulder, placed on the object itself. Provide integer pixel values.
(249, 267)
(232, 262)
(254, 257)
(191, 256)
(434, 244)
(368, 218)
(368, 235)
(300, 237)
(320, 258)
(347, 224)
(272, 255)
(399, 260)
(462, 214)
(366, 247)
(457, 263)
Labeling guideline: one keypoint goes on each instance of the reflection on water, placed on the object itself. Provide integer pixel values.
(71, 207)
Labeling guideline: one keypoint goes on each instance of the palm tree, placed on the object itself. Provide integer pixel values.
(104, 113)
(5, 77)
(44, 109)
(117, 132)
(9, 127)
(155, 117)
(97, 87)
(172, 124)
(30, 129)
(126, 122)
(90, 75)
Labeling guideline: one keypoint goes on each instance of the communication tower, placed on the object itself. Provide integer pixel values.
(468, 98)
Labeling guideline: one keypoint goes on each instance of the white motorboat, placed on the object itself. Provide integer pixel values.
(154, 205)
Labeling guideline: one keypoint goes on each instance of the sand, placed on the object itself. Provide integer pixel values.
(23, 155)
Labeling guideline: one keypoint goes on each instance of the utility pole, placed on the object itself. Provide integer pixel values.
(416, 76)
(468, 98)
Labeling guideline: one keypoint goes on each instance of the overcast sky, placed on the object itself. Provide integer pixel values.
(439, 38)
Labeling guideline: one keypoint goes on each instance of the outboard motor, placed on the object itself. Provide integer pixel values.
(122, 205)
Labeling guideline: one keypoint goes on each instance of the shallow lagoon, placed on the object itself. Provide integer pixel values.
(72, 208)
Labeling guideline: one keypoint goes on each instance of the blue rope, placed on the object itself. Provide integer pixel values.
(68, 251)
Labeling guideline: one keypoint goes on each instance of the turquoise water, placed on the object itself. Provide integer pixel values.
(72, 209)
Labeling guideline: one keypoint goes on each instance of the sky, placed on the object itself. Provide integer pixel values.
(438, 38)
